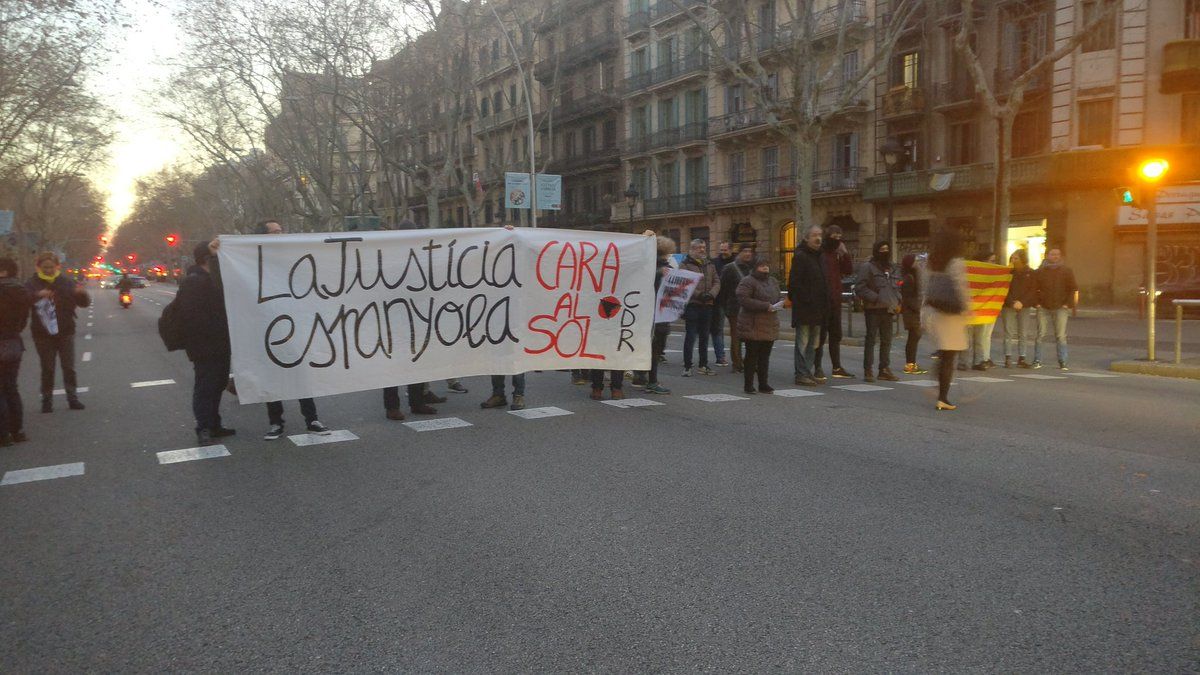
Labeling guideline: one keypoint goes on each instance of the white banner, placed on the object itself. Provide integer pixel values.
(674, 291)
(320, 314)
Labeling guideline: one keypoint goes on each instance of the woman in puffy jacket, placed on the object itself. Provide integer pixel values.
(758, 323)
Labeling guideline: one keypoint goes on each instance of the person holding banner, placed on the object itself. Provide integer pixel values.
(202, 311)
(981, 333)
(497, 400)
(697, 316)
(658, 342)
(758, 323)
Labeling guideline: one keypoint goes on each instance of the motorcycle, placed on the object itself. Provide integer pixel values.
(126, 300)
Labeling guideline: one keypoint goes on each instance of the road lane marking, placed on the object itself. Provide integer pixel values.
(87, 356)
(42, 473)
(150, 383)
(438, 424)
(90, 324)
(540, 413)
(87, 337)
(1041, 377)
(1073, 374)
(862, 387)
(919, 383)
(797, 393)
(190, 454)
(632, 403)
(78, 390)
(716, 398)
(985, 380)
(303, 440)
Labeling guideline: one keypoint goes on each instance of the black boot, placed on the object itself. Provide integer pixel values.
(47, 405)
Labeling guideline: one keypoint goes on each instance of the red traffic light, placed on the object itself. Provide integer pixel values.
(171, 239)
(131, 257)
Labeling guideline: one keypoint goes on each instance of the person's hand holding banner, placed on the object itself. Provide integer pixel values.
(674, 292)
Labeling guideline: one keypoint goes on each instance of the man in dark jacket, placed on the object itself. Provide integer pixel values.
(837, 263)
(202, 310)
(876, 286)
(716, 329)
(1017, 315)
(809, 293)
(1056, 297)
(697, 315)
(727, 302)
(14, 314)
(55, 299)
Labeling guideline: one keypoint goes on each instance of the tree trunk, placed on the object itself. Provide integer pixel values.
(803, 149)
(431, 206)
(1002, 197)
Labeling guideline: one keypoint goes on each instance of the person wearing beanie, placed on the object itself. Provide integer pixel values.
(910, 312)
(877, 286)
(1017, 315)
(837, 263)
(758, 323)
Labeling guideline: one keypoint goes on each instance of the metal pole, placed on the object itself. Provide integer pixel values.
(1151, 260)
(1178, 334)
(891, 215)
(529, 108)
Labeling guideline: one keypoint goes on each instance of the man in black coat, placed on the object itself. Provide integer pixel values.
(202, 310)
(14, 314)
(808, 291)
(55, 298)
(727, 302)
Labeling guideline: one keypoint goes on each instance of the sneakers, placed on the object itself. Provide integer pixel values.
(806, 381)
(656, 388)
(1022, 363)
(315, 427)
(518, 402)
(1035, 365)
(749, 390)
(75, 404)
(431, 397)
(1008, 362)
(222, 432)
(597, 394)
(914, 369)
(203, 438)
(579, 380)
(494, 401)
(457, 388)
(274, 433)
(1062, 365)
(819, 376)
(868, 376)
(395, 414)
(687, 372)
(722, 362)
(705, 370)
(886, 374)
(841, 373)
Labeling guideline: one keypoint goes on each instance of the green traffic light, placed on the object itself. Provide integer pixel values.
(1127, 196)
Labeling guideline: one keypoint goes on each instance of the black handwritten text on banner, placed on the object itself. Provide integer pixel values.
(321, 314)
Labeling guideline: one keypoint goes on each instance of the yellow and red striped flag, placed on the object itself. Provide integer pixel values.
(988, 283)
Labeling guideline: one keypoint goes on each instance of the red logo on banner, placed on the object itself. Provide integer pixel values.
(609, 307)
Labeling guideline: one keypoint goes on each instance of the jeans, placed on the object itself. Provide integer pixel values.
(805, 351)
(879, 328)
(981, 341)
(1059, 318)
(831, 334)
(717, 331)
(697, 319)
(391, 396)
(758, 362)
(212, 375)
(657, 344)
(12, 413)
(735, 341)
(518, 383)
(1019, 330)
(307, 408)
(61, 347)
(616, 379)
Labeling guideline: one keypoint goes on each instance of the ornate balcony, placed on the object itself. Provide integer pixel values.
(692, 64)
(784, 187)
(958, 91)
(904, 101)
(1181, 66)
(673, 204)
(637, 22)
(600, 158)
(667, 9)
(578, 220)
(590, 49)
(593, 103)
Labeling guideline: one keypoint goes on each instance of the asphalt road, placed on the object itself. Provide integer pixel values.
(1047, 525)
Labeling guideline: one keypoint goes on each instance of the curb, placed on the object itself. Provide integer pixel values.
(1189, 371)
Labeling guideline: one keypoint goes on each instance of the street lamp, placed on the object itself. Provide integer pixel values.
(631, 196)
(1150, 172)
(892, 151)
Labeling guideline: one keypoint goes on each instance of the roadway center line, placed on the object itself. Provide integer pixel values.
(87, 356)
(42, 473)
(190, 454)
(150, 383)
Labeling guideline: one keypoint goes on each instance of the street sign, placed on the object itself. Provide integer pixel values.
(516, 190)
(6, 222)
(549, 191)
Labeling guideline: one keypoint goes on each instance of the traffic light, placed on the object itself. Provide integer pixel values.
(1152, 170)
(172, 239)
(1129, 196)
(132, 257)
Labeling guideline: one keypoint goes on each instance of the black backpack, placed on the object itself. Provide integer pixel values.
(171, 328)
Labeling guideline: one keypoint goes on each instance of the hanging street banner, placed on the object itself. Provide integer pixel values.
(321, 314)
(516, 190)
(674, 292)
(549, 191)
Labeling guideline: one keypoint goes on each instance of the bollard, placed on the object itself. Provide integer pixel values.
(1178, 333)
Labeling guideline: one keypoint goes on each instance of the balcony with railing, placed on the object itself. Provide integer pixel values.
(847, 16)
(692, 132)
(903, 101)
(673, 204)
(784, 187)
(595, 102)
(958, 91)
(599, 158)
(637, 22)
(736, 122)
(693, 64)
(588, 50)
(1181, 66)
(667, 9)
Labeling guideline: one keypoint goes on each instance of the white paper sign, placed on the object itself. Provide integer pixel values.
(320, 314)
(674, 292)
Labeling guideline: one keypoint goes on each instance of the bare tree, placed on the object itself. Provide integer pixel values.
(1032, 59)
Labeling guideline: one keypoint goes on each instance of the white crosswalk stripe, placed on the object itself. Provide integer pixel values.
(192, 454)
(438, 424)
(303, 440)
(862, 387)
(42, 473)
(539, 413)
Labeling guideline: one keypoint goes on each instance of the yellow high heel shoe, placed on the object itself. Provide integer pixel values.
(942, 405)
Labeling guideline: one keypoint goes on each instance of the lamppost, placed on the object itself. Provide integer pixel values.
(1150, 173)
(892, 151)
(631, 196)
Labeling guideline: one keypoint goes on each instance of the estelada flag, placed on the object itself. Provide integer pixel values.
(988, 283)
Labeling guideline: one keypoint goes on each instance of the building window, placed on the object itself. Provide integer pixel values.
(770, 162)
(666, 114)
(906, 70)
(483, 107)
(1191, 118)
(787, 247)
(1095, 123)
(695, 180)
(1031, 133)
(610, 134)
(668, 180)
(849, 67)
(1103, 36)
(734, 98)
(1191, 19)
(589, 140)
(961, 143)
(737, 167)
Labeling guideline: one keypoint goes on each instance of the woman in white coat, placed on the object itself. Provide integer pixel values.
(947, 306)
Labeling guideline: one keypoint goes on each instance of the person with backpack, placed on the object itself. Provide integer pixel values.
(198, 315)
(52, 319)
(14, 314)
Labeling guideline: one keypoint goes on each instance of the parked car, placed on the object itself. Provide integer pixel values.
(1174, 290)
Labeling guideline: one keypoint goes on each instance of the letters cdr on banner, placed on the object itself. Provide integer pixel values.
(321, 314)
